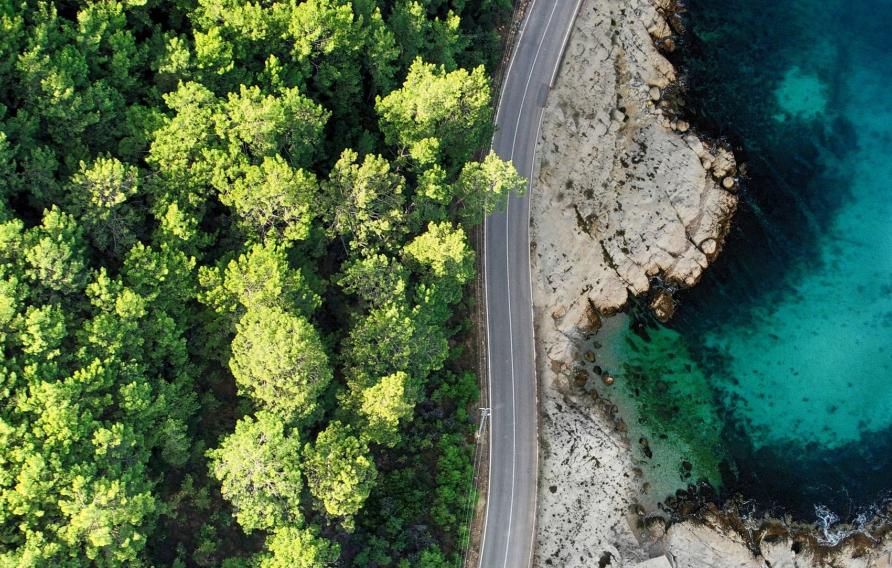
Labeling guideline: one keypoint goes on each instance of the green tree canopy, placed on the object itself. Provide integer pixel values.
(292, 547)
(366, 201)
(56, 253)
(262, 277)
(376, 279)
(279, 362)
(339, 470)
(438, 114)
(99, 193)
(258, 467)
(386, 404)
(272, 200)
(224, 224)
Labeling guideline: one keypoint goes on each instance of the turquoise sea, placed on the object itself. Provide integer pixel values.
(774, 379)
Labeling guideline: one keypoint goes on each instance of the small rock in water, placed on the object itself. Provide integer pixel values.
(663, 306)
(656, 525)
(645, 447)
(683, 126)
(590, 356)
(728, 182)
(709, 246)
(608, 380)
(723, 164)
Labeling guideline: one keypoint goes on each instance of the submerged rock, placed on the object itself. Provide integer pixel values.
(663, 306)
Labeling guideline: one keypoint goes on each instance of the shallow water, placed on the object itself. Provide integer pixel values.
(776, 374)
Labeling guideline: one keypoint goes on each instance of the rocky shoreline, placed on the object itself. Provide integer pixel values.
(628, 203)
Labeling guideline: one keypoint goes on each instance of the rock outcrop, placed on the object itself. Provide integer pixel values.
(623, 195)
(621, 198)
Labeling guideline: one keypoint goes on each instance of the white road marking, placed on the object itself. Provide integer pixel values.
(526, 87)
(557, 65)
(513, 397)
(507, 271)
(508, 280)
(523, 28)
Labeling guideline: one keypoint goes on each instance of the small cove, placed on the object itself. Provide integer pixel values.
(774, 379)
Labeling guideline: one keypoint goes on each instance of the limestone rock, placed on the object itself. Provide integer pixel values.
(702, 546)
(659, 562)
(620, 198)
(591, 318)
(617, 199)
(724, 164)
(781, 554)
(663, 306)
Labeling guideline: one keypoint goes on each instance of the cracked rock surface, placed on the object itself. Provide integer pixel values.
(623, 193)
(619, 197)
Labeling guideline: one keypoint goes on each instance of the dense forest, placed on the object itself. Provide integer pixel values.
(236, 279)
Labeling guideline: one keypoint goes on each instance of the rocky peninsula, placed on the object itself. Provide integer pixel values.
(627, 202)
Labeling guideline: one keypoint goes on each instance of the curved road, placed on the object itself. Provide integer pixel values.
(509, 526)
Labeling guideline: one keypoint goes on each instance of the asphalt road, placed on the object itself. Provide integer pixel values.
(509, 528)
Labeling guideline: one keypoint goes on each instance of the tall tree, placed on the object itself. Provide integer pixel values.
(261, 277)
(258, 467)
(340, 471)
(365, 201)
(99, 195)
(272, 200)
(386, 404)
(484, 187)
(279, 362)
(56, 253)
(438, 115)
(292, 547)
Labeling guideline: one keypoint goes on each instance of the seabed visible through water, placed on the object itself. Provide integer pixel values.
(774, 379)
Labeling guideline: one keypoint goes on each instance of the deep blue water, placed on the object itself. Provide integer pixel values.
(786, 344)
